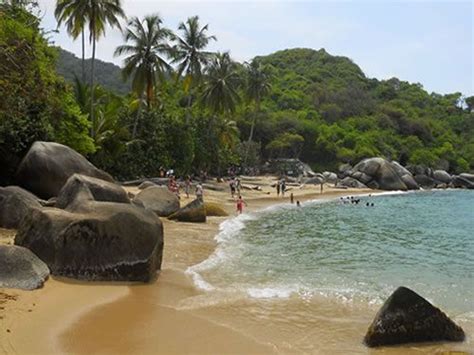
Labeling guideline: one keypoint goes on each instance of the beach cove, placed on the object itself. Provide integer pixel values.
(172, 315)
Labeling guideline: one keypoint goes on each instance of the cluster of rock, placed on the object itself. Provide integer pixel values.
(429, 178)
(288, 167)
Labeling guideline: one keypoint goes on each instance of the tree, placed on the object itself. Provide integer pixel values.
(221, 84)
(258, 86)
(100, 13)
(145, 62)
(73, 13)
(189, 53)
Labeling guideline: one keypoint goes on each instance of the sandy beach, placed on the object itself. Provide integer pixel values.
(172, 316)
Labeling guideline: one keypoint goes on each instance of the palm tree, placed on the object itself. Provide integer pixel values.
(220, 87)
(146, 59)
(99, 14)
(74, 14)
(258, 85)
(189, 53)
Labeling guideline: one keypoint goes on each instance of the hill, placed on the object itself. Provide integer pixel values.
(107, 75)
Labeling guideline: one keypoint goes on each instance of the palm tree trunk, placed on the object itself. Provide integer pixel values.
(252, 127)
(139, 112)
(92, 83)
(83, 58)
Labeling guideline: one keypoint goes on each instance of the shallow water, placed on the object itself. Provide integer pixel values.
(325, 268)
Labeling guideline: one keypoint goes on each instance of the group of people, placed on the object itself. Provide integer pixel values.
(281, 187)
(173, 186)
(354, 201)
(235, 186)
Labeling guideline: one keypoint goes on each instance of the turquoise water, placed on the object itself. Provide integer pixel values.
(354, 253)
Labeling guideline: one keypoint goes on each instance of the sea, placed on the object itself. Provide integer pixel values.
(326, 267)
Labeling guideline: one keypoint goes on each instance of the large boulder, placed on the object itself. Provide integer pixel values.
(425, 181)
(158, 199)
(382, 172)
(146, 184)
(195, 211)
(351, 182)
(442, 176)
(93, 240)
(47, 166)
(15, 203)
(101, 190)
(462, 182)
(466, 176)
(406, 317)
(330, 177)
(20, 268)
(288, 167)
(214, 209)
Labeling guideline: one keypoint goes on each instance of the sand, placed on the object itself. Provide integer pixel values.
(171, 316)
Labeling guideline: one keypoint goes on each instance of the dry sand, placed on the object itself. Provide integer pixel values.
(170, 316)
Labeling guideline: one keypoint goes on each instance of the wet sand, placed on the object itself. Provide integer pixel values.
(171, 316)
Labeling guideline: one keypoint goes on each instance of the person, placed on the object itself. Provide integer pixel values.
(232, 187)
(322, 187)
(298, 204)
(187, 185)
(278, 187)
(199, 191)
(283, 187)
(238, 185)
(291, 197)
(240, 205)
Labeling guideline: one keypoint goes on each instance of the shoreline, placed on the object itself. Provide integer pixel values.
(170, 315)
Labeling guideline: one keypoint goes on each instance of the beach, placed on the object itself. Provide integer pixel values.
(172, 316)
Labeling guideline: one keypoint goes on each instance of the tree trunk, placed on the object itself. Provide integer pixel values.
(83, 58)
(252, 127)
(92, 84)
(139, 111)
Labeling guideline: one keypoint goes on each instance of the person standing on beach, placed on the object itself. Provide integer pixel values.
(283, 187)
(187, 185)
(291, 198)
(232, 187)
(238, 185)
(199, 192)
(240, 205)
(322, 183)
(278, 187)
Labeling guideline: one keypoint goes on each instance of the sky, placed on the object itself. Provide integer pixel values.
(420, 41)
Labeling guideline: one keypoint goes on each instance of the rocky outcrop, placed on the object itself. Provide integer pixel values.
(425, 181)
(15, 203)
(466, 176)
(460, 181)
(442, 176)
(289, 167)
(20, 268)
(93, 240)
(158, 199)
(386, 175)
(192, 212)
(330, 177)
(315, 180)
(406, 317)
(101, 190)
(351, 182)
(47, 166)
(214, 209)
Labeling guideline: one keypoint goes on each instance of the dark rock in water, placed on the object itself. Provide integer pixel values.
(350, 182)
(158, 199)
(406, 317)
(47, 166)
(425, 181)
(20, 268)
(442, 176)
(461, 182)
(192, 212)
(15, 203)
(101, 190)
(146, 184)
(93, 240)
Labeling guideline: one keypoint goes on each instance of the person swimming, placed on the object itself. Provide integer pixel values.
(298, 204)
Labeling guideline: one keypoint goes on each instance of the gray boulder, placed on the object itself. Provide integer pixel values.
(47, 166)
(158, 199)
(101, 190)
(15, 204)
(330, 177)
(406, 317)
(20, 268)
(99, 241)
(420, 170)
(362, 177)
(442, 176)
(461, 182)
(195, 212)
(351, 182)
(425, 181)
(146, 184)
(382, 172)
(466, 176)
(410, 182)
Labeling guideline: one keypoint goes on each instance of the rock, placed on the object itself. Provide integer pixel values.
(213, 209)
(466, 176)
(317, 180)
(158, 199)
(99, 241)
(15, 203)
(461, 182)
(288, 167)
(401, 171)
(146, 184)
(192, 212)
(344, 168)
(47, 166)
(330, 177)
(442, 176)
(351, 182)
(381, 172)
(425, 181)
(101, 190)
(362, 177)
(20, 268)
(420, 170)
(406, 317)
(410, 182)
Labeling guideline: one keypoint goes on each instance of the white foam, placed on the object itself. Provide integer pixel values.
(269, 292)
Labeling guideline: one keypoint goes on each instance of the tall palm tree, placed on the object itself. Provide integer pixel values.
(146, 61)
(221, 84)
(258, 86)
(189, 52)
(101, 13)
(74, 14)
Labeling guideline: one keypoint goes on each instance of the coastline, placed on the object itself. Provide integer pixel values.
(171, 315)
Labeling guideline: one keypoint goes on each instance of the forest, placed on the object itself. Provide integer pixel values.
(176, 105)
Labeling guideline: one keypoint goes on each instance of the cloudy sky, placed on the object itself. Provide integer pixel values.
(430, 42)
